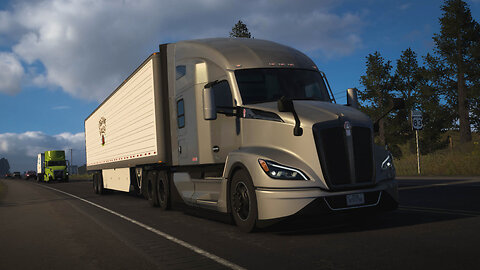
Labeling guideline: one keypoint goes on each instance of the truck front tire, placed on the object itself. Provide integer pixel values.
(243, 201)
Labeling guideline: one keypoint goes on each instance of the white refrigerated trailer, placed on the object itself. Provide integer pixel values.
(245, 127)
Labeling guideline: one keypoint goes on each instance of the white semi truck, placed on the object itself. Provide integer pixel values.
(244, 127)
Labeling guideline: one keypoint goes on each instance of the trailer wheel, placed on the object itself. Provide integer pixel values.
(163, 191)
(243, 201)
(95, 183)
(100, 188)
(151, 189)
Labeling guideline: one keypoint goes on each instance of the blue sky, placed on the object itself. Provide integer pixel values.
(59, 59)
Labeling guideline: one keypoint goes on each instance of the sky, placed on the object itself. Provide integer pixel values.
(60, 59)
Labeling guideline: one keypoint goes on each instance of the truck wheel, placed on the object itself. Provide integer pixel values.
(163, 191)
(243, 201)
(151, 189)
(95, 183)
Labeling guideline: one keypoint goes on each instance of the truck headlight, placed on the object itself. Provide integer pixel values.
(387, 162)
(277, 171)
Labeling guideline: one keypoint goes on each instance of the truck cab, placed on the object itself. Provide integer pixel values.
(52, 165)
(265, 113)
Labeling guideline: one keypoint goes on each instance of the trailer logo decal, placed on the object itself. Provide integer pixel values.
(102, 128)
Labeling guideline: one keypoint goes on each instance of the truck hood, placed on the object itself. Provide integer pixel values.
(312, 111)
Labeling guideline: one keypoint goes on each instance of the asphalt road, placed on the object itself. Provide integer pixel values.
(42, 226)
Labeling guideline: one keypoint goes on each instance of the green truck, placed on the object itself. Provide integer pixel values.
(52, 165)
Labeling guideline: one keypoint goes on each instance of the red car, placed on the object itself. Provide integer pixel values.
(8, 175)
(30, 174)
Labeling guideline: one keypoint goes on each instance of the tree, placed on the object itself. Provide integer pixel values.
(457, 46)
(407, 84)
(240, 30)
(4, 167)
(432, 101)
(378, 87)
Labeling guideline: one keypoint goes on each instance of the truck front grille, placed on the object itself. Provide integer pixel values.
(340, 170)
(58, 174)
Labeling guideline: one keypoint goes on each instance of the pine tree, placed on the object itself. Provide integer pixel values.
(378, 87)
(240, 30)
(4, 167)
(407, 84)
(456, 46)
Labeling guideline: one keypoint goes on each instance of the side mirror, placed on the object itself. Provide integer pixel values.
(352, 98)
(285, 105)
(209, 107)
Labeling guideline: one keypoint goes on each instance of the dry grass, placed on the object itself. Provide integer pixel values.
(462, 159)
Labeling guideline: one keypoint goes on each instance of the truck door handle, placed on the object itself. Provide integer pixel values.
(215, 148)
(179, 149)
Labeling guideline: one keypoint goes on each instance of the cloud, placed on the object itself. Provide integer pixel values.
(11, 73)
(89, 47)
(21, 149)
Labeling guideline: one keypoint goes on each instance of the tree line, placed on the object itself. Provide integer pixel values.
(445, 88)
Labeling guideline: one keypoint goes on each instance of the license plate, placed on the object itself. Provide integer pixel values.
(355, 199)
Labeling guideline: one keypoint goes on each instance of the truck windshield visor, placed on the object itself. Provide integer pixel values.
(56, 163)
(270, 84)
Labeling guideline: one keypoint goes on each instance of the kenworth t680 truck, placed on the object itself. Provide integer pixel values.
(245, 127)
(52, 165)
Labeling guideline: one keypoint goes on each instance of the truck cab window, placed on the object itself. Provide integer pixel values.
(223, 97)
(180, 114)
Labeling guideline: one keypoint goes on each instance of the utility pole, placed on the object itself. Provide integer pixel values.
(71, 160)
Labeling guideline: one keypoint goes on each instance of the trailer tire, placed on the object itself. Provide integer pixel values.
(100, 188)
(163, 191)
(95, 183)
(243, 201)
(151, 189)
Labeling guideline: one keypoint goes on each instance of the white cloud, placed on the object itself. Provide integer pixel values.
(88, 47)
(11, 72)
(21, 149)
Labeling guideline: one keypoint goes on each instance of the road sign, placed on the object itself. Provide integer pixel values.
(417, 120)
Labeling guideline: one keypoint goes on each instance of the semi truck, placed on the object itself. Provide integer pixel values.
(51, 165)
(244, 127)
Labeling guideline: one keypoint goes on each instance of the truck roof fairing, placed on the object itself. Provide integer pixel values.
(241, 53)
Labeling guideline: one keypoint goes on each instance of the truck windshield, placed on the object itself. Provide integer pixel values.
(56, 163)
(270, 84)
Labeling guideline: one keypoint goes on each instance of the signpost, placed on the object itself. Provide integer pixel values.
(417, 124)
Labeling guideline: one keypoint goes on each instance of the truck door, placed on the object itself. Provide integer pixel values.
(225, 129)
(186, 118)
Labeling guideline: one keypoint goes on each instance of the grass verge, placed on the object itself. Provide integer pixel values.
(461, 160)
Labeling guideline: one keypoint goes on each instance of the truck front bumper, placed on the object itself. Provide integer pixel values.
(278, 203)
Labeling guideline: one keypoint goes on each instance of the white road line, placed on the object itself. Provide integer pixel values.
(440, 211)
(159, 233)
(441, 184)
